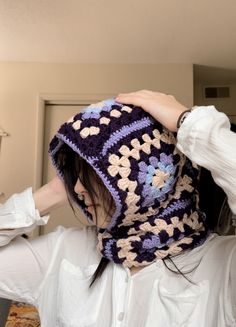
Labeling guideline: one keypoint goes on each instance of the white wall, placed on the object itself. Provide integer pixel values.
(227, 105)
(21, 84)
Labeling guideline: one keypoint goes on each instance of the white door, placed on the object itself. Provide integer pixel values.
(55, 115)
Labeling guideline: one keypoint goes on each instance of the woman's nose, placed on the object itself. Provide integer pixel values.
(79, 188)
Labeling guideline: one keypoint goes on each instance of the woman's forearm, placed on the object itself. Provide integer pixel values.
(50, 196)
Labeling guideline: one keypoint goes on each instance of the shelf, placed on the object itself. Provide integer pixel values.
(2, 133)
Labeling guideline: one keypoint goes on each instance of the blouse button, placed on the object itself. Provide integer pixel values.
(121, 316)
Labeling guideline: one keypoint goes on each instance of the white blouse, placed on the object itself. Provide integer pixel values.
(53, 271)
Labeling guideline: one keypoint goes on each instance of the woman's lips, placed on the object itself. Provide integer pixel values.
(91, 207)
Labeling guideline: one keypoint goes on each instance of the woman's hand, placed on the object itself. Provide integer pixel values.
(164, 108)
(50, 196)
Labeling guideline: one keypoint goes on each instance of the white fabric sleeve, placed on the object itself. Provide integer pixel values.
(18, 215)
(23, 266)
(205, 138)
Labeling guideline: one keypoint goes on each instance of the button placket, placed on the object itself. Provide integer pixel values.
(120, 294)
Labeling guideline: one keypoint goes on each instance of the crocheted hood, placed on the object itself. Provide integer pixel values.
(152, 183)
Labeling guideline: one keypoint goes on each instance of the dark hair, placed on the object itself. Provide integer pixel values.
(73, 167)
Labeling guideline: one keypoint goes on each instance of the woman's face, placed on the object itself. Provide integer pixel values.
(102, 220)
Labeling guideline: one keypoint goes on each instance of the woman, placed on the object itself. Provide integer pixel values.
(150, 260)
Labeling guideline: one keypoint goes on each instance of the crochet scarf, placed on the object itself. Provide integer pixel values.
(153, 185)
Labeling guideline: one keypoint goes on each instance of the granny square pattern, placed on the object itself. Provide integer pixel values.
(154, 185)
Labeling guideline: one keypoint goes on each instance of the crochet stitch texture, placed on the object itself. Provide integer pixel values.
(154, 185)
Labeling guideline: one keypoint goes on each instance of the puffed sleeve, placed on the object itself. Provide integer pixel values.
(23, 266)
(18, 215)
(205, 138)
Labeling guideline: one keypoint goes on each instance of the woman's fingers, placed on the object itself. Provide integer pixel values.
(163, 107)
(139, 98)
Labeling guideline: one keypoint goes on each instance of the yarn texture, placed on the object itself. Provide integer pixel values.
(153, 185)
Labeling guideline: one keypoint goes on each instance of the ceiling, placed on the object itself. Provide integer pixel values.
(202, 32)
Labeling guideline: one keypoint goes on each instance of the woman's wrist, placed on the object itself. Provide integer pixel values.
(50, 196)
(182, 117)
